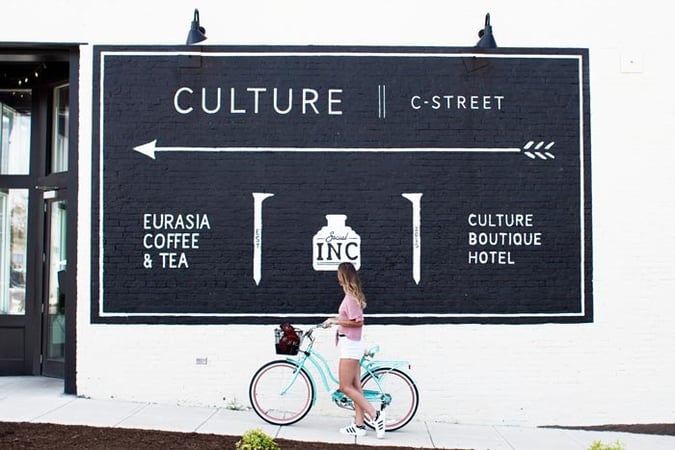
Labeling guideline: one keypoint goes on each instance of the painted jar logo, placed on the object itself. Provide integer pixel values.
(336, 243)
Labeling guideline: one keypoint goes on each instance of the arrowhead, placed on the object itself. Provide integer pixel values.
(147, 149)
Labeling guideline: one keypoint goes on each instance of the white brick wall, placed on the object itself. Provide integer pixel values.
(544, 374)
(617, 369)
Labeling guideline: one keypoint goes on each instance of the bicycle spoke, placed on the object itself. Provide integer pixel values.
(279, 394)
(400, 390)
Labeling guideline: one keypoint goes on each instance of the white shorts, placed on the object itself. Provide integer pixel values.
(350, 349)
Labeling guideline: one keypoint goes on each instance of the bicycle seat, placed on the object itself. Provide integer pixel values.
(371, 351)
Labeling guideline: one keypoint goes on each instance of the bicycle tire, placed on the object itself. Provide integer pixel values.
(403, 392)
(267, 399)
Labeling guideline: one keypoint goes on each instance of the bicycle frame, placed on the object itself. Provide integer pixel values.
(368, 366)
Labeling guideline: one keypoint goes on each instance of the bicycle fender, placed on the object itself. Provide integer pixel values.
(381, 364)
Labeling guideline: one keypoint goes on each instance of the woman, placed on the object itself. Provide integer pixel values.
(350, 346)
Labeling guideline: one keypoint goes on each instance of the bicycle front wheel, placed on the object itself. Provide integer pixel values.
(281, 393)
(398, 390)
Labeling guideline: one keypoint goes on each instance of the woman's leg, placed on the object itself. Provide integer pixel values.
(350, 385)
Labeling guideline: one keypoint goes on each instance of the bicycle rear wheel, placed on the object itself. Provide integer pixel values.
(281, 393)
(401, 389)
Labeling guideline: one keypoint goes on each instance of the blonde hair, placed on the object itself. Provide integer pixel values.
(349, 279)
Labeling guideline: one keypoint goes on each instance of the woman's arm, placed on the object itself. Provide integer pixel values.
(343, 323)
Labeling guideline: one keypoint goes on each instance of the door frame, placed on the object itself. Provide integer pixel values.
(38, 181)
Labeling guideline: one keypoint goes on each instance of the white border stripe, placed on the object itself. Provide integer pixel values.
(324, 315)
(578, 57)
(100, 188)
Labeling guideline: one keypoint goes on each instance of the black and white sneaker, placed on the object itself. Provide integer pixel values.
(354, 430)
(377, 423)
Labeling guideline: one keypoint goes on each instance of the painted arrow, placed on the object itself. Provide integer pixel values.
(532, 150)
(151, 149)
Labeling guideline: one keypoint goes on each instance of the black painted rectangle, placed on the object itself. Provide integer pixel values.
(494, 146)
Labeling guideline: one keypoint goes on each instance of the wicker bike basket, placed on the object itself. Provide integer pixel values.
(287, 345)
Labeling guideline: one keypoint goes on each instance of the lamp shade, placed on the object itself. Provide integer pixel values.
(197, 33)
(487, 39)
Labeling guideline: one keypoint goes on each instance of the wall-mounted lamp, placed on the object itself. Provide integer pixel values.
(197, 33)
(487, 40)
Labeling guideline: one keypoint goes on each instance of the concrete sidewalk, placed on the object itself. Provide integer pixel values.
(38, 399)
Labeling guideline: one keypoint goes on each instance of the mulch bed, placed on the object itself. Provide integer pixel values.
(23, 435)
(650, 428)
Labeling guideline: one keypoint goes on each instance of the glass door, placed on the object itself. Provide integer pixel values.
(55, 293)
(55, 289)
(16, 309)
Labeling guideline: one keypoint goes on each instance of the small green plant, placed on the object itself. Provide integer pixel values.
(256, 440)
(597, 445)
(234, 405)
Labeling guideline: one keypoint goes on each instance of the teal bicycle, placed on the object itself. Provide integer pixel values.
(283, 391)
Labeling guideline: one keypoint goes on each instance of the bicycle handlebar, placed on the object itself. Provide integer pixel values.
(308, 333)
(369, 353)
